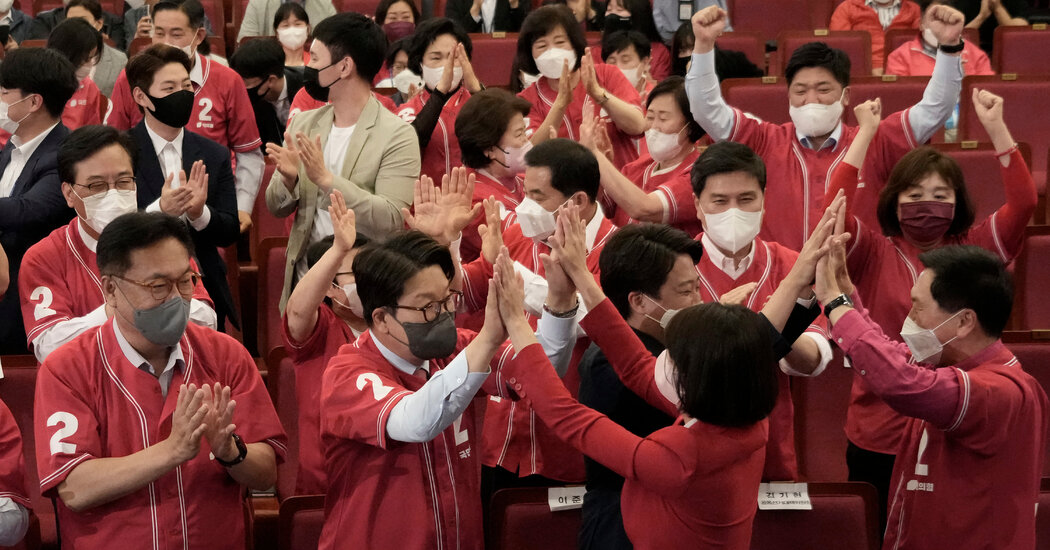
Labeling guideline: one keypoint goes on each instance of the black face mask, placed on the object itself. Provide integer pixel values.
(253, 92)
(615, 23)
(173, 109)
(313, 86)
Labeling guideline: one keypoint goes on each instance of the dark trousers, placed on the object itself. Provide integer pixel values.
(874, 468)
(601, 527)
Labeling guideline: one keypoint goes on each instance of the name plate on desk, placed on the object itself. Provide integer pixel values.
(565, 498)
(784, 496)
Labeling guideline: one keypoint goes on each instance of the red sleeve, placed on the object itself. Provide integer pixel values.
(314, 344)
(302, 102)
(255, 416)
(893, 140)
(659, 62)
(613, 80)
(1003, 231)
(242, 133)
(840, 20)
(678, 192)
(43, 290)
(627, 355)
(12, 462)
(844, 177)
(758, 134)
(123, 109)
(476, 275)
(538, 111)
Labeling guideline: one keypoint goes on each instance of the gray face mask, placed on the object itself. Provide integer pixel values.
(432, 340)
(164, 325)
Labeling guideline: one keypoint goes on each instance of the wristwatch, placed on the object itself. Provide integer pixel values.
(840, 300)
(242, 452)
(953, 49)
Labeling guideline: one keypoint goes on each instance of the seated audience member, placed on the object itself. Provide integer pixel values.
(590, 14)
(17, 21)
(81, 44)
(46, 21)
(181, 173)
(14, 502)
(972, 448)
(696, 479)
(924, 205)
(629, 51)
(407, 83)
(102, 399)
(986, 15)
(61, 288)
(729, 182)
(35, 84)
(491, 133)
(439, 51)
(221, 110)
(324, 313)
(291, 25)
(917, 57)
(553, 45)
(799, 154)
(667, 15)
(271, 85)
(637, 15)
(139, 24)
(875, 17)
(398, 18)
(488, 16)
(353, 145)
(728, 63)
(412, 420)
(111, 62)
(259, 14)
(656, 187)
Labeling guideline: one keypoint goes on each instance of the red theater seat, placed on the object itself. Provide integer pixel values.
(265, 224)
(896, 92)
(982, 173)
(271, 282)
(300, 521)
(769, 18)
(366, 7)
(281, 381)
(1042, 518)
(844, 517)
(1022, 50)
(493, 57)
(1032, 349)
(1031, 273)
(522, 519)
(750, 43)
(765, 98)
(820, 418)
(856, 44)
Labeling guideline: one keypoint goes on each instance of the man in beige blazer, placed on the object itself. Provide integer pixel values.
(352, 145)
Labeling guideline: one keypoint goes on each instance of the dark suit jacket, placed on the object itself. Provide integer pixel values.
(35, 208)
(21, 24)
(46, 21)
(222, 230)
(505, 19)
(271, 129)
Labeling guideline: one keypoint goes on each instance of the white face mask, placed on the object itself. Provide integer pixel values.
(103, 208)
(515, 157)
(662, 146)
(664, 319)
(632, 75)
(6, 124)
(923, 342)
(405, 80)
(536, 222)
(5, 5)
(817, 119)
(666, 375)
(733, 229)
(528, 79)
(85, 71)
(929, 38)
(353, 300)
(292, 38)
(433, 76)
(550, 62)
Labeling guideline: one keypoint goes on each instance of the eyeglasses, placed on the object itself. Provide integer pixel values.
(126, 183)
(432, 310)
(160, 288)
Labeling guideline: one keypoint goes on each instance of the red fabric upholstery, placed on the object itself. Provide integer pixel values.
(521, 519)
(843, 517)
(366, 7)
(494, 57)
(265, 224)
(896, 37)
(1014, 50)
(271, 283)
(281, 378)
(1042, 520)
(44, 5)
(857, 44)
(982, 173)
(896, 93)
(764, 97)
(1031, 273)
(300, 521)
(17, 389)
(750, 43)
(1034, 356)
(820, 415)
(770, 18)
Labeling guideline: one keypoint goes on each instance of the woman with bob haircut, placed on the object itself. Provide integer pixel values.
(924, 205)
(694, 483)
(552, 44)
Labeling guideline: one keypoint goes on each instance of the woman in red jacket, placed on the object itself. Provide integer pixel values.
(694, 483)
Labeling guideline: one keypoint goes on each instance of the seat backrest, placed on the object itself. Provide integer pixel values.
(299, 522)
(982, 173)
(1027, 123)
(522, 519)
(1042, 517)
(366, 7)
(896, 93)
(856, 44)
(1014, 48)
(820, 416)
(44, 5)
(765, 98)
(844, 517)
(281, 381)
(749, 43)
(769, 18)
(1031, 272)
(1034, 356)
(271, 284)
(494, 57)
(264, 223)
(217, 17)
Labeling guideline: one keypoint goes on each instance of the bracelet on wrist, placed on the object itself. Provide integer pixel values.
(562, 314)
(1007, 152)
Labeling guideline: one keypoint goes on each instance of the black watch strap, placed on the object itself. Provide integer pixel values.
(953, 49)
(242, 452)
(840, 300)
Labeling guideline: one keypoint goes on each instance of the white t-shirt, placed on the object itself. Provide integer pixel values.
(334, 155)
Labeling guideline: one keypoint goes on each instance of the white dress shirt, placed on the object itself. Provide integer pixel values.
(19, 157)
(175, 360)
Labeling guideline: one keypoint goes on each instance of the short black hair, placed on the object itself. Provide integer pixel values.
(573, 166)
(482, 122)
(382, 270)
(642, 18)
(75, 39)
(541, 22)
(638, 258)
(356, 36)
(142, 68)
(259, 58)
(675, 85)
(92, 6)
(85, 142)
(427, 32)
(384, 6)
(290, 8)
(135, 231)
(970, 277)
(725, 157)
(726, 376)
(621, 40)
(818, 54)
(192, 9)
(40, 71)
(316, 250)
(399, 45)
(907, 173)
(683, 39)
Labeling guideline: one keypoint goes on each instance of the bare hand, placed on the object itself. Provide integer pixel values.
(869, 114)
(569, 243)
(602, 142)
(198, 186)
(511, 290)
(817, 245)
(946, 23)
(445, 83)
(738, 295)
(588, 127)
(565, 87)
(312, 156)
(244, 219)
(590, 78)
(218, 427)
(470, 79)
(175, 201)
(285, 159)
(708, 25)
(187, 423)
(491, 232)
(144, 27)
(342, 223)
(989, 107)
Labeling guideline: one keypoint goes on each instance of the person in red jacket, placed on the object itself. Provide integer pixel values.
(875, 17)
(917, 57)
